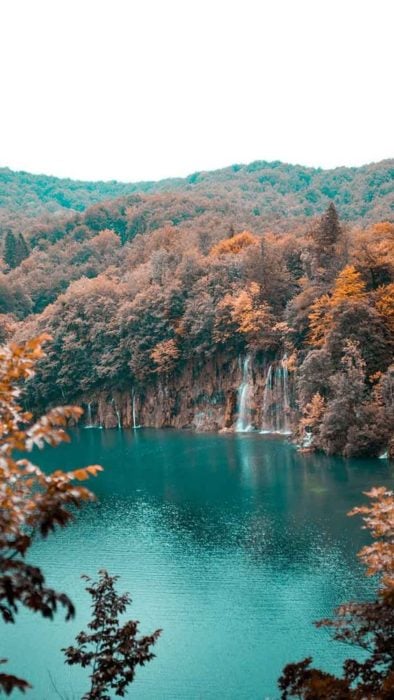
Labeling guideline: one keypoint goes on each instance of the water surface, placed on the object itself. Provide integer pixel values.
(233, 544)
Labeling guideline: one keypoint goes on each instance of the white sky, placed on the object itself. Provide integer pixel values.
(144, 89)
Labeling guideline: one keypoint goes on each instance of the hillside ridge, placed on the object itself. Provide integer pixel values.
(279, 190)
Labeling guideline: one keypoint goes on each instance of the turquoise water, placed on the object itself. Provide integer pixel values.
(233, 544)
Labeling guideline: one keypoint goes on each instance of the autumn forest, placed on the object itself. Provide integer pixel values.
(165, 291)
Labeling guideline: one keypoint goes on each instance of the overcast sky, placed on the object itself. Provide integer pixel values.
(144, 89)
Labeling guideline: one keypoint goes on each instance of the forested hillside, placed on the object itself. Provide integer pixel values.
(196, 309)
(272, 190)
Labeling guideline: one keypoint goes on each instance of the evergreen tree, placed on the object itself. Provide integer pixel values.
(329, 230)
(22, 248)
(15, 250)
(326, 236)
(9, 253)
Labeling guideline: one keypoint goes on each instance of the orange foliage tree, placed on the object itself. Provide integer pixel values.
(312, 416)
(369, 626)
(319, 315)
(385, 304)
(32, 503)
(373, 253)
(349, 286)
(165, 355)
(234, 245)
(248, 315)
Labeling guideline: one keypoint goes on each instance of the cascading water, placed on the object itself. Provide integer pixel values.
(89, 418)
(117, 414)
(243, 424)
(276, 399)
(267, 426)
(286, 397)
(89, 423)
(135, 425)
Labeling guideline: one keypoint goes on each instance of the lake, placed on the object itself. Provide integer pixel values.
(233, 544)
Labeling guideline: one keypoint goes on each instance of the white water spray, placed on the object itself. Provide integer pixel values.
(276, 399)
(135, 425)
(243, 424)
(117, 414)
(89, 423)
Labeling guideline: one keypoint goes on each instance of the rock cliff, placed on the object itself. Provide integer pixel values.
(240, 394)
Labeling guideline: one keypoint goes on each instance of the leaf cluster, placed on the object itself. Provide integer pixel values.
(32, 503)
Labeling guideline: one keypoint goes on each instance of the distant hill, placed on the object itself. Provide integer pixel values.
(37, 195)
(272, 190)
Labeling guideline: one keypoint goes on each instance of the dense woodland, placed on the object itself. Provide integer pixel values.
(272, 192)
(248, 259)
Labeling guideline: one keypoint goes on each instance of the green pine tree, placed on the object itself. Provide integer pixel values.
(9, 253)
(15, 250)
(326, 236)
(22, 248)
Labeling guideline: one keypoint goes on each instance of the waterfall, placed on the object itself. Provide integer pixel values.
(286, 397)
(89, 423)
(199, 420)
(135, 425)
(117, 414)
(267, 427)
(276, 399)
(243, 424)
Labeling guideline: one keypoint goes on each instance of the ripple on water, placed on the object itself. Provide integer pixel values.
(232, 546)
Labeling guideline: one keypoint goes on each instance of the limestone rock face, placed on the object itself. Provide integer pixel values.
(203, 398)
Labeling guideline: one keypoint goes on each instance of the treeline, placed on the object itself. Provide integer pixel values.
(34, 195)
(274, 191)
(138, 288)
